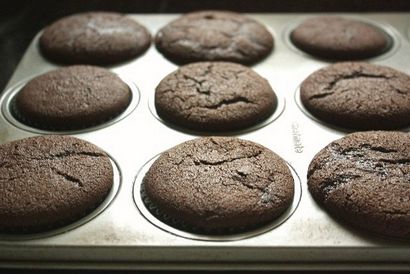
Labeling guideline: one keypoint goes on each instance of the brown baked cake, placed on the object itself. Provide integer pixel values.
(218, 184)
(364, 180)
(339, 38)
(214, 96)
(71, 98)
(98, 38)
(50, 181)
(358, 95)
(214, 36)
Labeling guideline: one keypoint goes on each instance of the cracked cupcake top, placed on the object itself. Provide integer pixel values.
(364, 179)
(358, 96)
(50, 181)
(214, 96)
(97, 38)
(214, 36)
(218, 183)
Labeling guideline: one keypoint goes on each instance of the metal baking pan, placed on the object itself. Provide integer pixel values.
(121, 234)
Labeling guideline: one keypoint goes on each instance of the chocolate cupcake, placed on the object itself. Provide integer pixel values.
(214, 96)
(214, 36)
(364, 179)
(338, 38)
(50, 181)
(358, 96)
(218, 185)
(71, 98)
(98, 38)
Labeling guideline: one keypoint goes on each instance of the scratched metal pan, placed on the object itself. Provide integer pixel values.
(122, 234)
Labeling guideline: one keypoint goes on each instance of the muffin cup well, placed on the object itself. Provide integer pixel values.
(392, 47)
(179, 228)
(13, 117)
(117, 180)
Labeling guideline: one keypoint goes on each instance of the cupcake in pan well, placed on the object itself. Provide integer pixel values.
(338, 38)
(95, 38)
(71, 98)
(51, 181)
(359, 96)
(214, 36)
(214, 97)
(363, 179)
(218, 185)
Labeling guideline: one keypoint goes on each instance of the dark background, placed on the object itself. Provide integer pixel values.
(20, 20)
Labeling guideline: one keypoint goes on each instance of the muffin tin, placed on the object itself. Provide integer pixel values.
(122, 234)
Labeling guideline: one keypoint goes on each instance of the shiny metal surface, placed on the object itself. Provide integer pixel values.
(121, 237)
